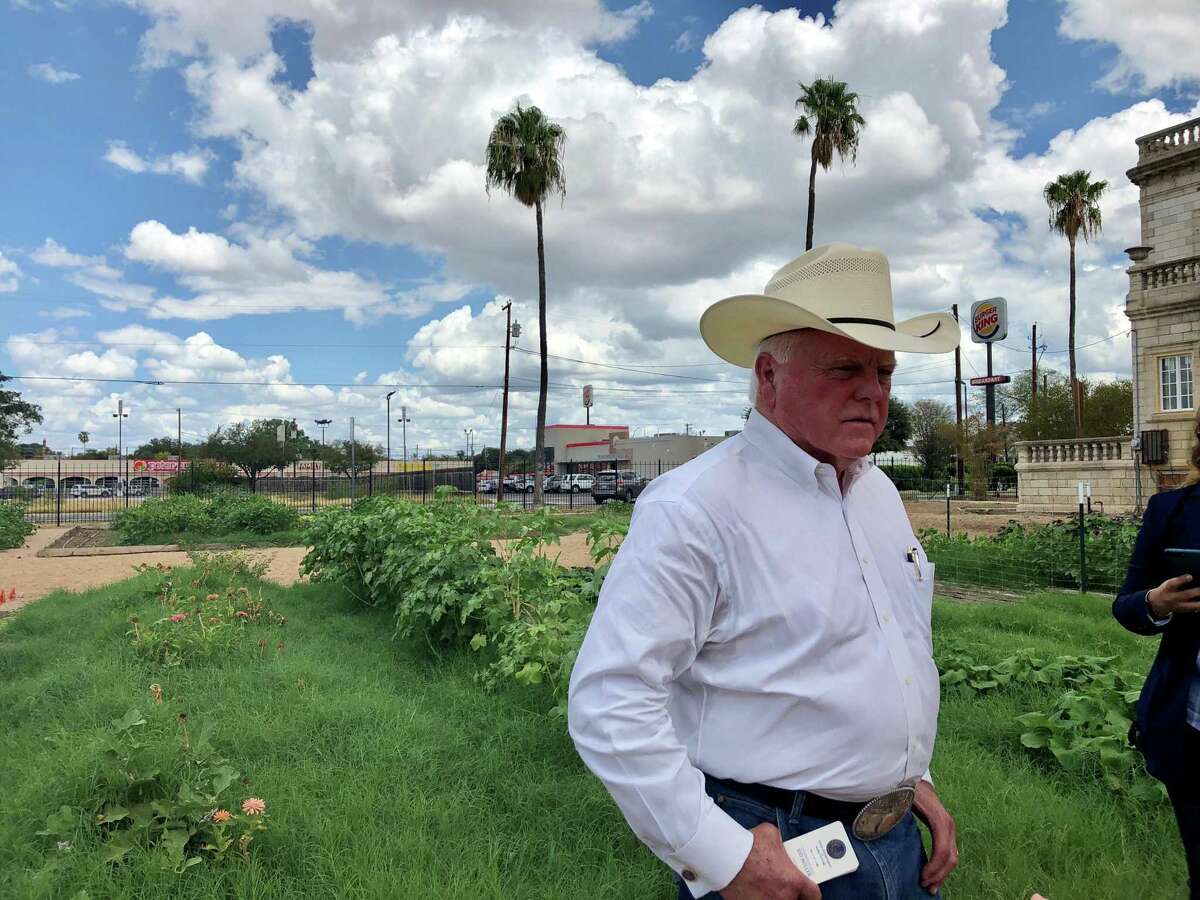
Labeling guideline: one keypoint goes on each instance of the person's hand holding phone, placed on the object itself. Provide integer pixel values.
(1173, 596)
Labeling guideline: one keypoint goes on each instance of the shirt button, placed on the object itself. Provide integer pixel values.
(886, 618)
(688, 875)
(908, 681)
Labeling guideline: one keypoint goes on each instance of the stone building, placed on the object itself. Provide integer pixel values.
(1163, 306)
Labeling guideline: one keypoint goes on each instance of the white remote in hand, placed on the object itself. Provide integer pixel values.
(823, 854)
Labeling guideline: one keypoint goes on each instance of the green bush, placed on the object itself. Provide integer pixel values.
(435, 568)
(203, 477)
(186, 514)
(13, 527)
(1035, 556)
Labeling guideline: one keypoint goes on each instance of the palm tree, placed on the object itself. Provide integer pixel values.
(831, 117)
(1074, 202)
(84, 437)
(524, 158)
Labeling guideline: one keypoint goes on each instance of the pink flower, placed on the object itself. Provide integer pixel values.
(254, 806)
(213, 597)
(221, 815)
(242, 614)
(178, 617)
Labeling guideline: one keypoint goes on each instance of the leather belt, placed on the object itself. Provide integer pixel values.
(867, 821)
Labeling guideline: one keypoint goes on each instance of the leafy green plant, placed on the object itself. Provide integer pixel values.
(13, 527)
(1025, 667)
(150, 795)
(1087, 732)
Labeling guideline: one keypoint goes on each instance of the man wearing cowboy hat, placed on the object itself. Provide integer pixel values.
(759, 664)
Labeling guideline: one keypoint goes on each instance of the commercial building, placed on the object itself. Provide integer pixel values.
(591, 448)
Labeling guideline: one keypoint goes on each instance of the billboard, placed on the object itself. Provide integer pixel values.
(587, 395)
(989, 320)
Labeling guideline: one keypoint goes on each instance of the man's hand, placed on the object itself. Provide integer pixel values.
(929, 810)
(768, 873)
(1173, 596)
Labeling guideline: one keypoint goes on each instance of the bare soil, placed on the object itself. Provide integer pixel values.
(34, 577)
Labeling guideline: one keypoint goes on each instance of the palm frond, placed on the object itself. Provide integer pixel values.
(524, 156)
(1074, 204)
(832, 118)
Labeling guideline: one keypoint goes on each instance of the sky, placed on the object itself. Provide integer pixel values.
(268, 208)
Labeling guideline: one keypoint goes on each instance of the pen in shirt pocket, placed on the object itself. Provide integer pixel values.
(913, 556)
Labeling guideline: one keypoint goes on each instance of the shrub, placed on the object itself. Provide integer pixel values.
(202, 477)
(157, 520)
(13, 527)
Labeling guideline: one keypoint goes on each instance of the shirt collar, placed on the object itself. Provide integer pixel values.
(797, 463)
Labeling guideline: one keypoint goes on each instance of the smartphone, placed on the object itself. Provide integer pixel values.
(1181, 561)
(824, 853)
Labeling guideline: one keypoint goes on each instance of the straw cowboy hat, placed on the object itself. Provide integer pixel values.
(836, 288)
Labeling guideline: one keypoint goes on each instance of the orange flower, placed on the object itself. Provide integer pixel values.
(213, 597)
(253, 806)
(156, 693)
(221, 815)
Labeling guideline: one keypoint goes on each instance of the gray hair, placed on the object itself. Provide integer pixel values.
(782, 348)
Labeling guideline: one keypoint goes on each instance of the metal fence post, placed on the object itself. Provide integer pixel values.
(947, 509)
(371, 481)
(58, 495)
(1082, 544)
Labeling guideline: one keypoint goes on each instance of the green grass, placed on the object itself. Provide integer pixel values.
(390, 773)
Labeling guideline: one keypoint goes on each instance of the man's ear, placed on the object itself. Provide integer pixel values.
(764, 373)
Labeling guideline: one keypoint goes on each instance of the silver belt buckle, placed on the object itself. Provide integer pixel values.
(881, 815)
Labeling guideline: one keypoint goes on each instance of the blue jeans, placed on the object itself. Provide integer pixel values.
(889, 868)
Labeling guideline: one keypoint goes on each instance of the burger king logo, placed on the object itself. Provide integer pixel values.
(989, 320)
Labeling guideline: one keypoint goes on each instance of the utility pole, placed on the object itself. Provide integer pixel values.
(179, 443)
(958, 408)
(509, 329)
(687, 427)
(120, 415)
(322, 423)
(353, 469)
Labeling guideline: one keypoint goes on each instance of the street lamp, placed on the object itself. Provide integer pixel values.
(323, 423)
(120, 415)
(389, 431)
(404, 420)
(470, 433)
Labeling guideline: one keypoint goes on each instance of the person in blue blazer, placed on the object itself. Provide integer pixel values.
(1167, 730)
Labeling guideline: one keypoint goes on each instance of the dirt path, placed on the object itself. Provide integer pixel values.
(34, 577)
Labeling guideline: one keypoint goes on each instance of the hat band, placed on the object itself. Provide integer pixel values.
(855, 320)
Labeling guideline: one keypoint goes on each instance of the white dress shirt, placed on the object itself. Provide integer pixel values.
(761, 624)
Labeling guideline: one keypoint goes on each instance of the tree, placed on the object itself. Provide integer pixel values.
(254, 447)
(898, 431)
(336, 456)
(831, 117)
(1107, 407)
(163, 447)
(933, 436)
(524, 158)
(1074, 202)
(84, 437)
(17, 417)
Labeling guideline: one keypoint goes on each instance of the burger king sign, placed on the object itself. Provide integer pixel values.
(989, 320)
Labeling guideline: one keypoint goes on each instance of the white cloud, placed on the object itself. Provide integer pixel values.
(53, 254)
(241, 28)
(1152, 39)
(685, 42)
(50, 73)
(67, 312)
(9, 273)
(192, 166)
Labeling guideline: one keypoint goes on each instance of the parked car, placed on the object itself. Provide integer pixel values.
(521, 484)
(553, 484)
(612, 484)
(575, 484)
(487, 485)
(89, 490)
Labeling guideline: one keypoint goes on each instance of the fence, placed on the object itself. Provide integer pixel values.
(57, 492)
(967, 538)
